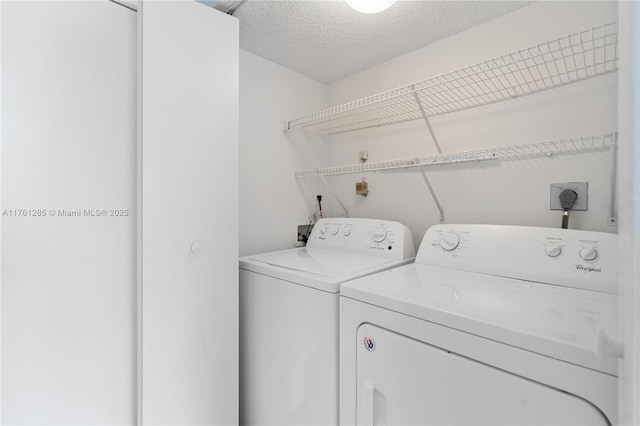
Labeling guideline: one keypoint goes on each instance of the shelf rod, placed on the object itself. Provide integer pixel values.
(333, 194)
(433, 194)
(426, 120)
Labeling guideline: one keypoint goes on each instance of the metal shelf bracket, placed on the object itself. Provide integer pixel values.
(333, 194)
(433, 194)
(426, 119)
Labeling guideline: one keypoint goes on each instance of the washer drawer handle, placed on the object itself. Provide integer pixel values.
(367, 402)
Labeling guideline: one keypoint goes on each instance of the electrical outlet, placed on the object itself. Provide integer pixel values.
(303, 233)
(581, 189)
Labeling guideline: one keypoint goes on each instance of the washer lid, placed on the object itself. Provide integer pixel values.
(318, 268)
(577, 326)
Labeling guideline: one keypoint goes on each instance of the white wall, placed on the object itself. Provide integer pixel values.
(272, 203)
(68, 283)
(514, 192)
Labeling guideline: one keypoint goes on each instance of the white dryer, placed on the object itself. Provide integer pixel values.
(289, 324)
(491, 325)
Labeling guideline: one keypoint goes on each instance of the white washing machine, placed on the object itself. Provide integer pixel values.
(289, 325)
(492, 325)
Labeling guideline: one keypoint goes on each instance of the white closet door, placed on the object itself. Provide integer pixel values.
(68, 274)
(189, 214)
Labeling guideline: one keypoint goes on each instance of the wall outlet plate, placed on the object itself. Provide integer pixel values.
(303, 233)
(581, 188)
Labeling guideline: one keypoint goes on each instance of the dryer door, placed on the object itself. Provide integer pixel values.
(405, 381)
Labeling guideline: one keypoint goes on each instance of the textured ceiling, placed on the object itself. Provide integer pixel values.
(327, 40)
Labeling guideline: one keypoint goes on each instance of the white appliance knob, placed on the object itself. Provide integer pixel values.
(335, 231)
(553, 251)
(588, 253)
(323, 230)
(347, 232)
(379, 235)
(449, 241)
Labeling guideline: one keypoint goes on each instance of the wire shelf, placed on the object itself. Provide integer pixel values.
(512, 152)
(552, 64)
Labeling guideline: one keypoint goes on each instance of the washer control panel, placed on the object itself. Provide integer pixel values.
(380, 238)
(573, 258)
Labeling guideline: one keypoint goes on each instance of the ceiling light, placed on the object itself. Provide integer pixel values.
(370, 6)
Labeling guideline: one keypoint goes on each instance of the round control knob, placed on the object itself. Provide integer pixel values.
(323, 230)
(347, 232)
(553, 251)
(379, 235)
(335, 231)
(588, 253)
(449, 241)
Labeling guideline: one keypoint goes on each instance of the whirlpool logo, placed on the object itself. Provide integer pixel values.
(369, 344)
(587, 269)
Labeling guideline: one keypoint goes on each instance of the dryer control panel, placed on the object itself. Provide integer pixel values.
(371, 237)
(567, 257)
